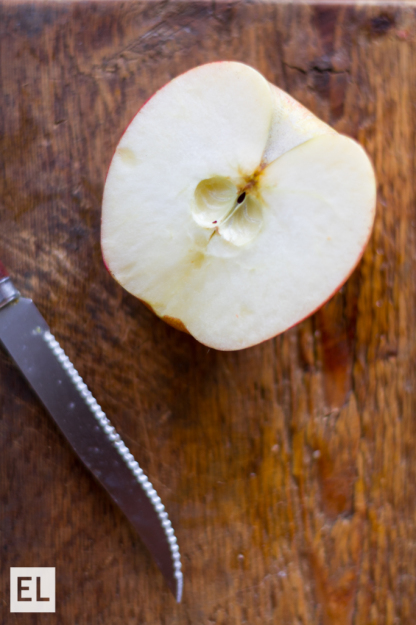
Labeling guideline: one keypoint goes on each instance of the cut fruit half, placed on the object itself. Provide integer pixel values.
(231, 210)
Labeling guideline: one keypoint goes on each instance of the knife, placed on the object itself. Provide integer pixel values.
(26, 336)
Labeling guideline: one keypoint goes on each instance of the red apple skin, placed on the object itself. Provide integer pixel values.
(177, 323)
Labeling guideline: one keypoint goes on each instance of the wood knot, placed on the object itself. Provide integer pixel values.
(380, 25)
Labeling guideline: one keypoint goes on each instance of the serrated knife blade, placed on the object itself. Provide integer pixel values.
(26, 336)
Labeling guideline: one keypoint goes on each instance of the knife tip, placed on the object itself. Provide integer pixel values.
(179, 586)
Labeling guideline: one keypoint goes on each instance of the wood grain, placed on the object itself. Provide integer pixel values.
(288, 469)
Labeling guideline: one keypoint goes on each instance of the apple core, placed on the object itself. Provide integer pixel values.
(220, 205)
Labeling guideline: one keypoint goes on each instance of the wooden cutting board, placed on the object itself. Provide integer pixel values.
(288, 469)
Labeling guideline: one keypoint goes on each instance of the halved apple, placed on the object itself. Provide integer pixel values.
(231, 210)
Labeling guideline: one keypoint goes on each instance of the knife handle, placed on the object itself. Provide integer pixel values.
(8, 292)
(3, 272)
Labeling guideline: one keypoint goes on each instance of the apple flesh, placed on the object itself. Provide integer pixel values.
(231, 210)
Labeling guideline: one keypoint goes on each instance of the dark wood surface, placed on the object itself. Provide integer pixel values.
(288, 469)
